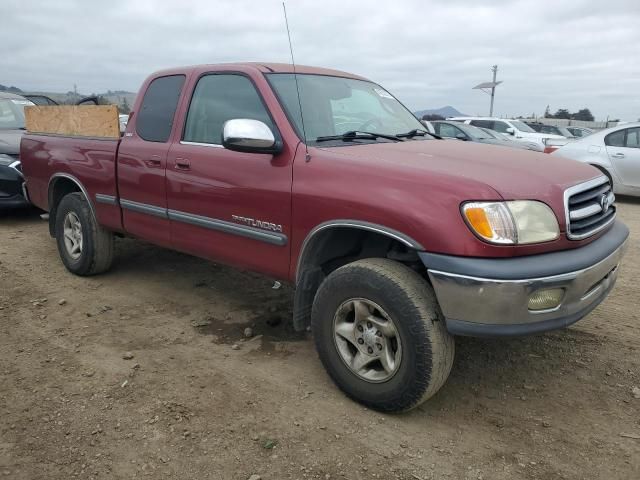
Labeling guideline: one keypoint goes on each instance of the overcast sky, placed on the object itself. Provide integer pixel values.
(566, 54)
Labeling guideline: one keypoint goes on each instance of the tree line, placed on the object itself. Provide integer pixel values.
(582, 114)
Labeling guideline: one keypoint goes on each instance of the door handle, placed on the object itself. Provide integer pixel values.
(183, 164)
(154, 161)
(618, 155)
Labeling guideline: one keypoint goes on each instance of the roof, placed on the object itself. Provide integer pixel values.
(263, 67)
(11, 96)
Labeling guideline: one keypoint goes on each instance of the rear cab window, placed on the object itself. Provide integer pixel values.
(155, 118)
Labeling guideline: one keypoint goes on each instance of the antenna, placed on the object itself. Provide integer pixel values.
(307, 157)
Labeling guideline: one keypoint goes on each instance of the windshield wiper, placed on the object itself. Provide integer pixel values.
(357, 134)
(418, 132)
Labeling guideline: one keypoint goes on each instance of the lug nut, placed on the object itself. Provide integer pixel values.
(378, 333)
(360, 341)
(360, 328)
(370, 350)
(379, 346)
(369, 325)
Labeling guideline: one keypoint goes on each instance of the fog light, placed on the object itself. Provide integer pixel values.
(546, 299)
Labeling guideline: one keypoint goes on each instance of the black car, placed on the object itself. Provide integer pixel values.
(40, 99)
(12, 192)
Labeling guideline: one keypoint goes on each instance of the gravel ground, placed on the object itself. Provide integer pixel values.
(145, 372)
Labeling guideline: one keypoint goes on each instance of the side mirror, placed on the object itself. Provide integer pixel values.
(511, 131)
(461, 136)
(251, 136)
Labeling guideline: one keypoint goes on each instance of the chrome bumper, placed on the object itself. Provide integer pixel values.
(478, 306)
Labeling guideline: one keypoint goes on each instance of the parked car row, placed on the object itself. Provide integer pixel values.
(519, 130)
(462, 131)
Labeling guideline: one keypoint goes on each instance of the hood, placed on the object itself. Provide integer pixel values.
(10, 141)
(513, 173)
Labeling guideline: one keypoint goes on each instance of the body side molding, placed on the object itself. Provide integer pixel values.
(106, 199)
(144, 208)
(228, 227)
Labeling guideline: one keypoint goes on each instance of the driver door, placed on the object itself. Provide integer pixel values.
(229, 206)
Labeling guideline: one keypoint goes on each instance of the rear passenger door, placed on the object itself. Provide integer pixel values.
(225, 205)
(623, 149)
(142, 161)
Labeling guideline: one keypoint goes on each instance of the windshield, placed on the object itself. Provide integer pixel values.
(12, 113)
(564, 132)
(475, 132)
(490, 133)
(336, 105)
(523, 127)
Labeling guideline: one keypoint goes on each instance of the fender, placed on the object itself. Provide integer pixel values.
(50, 199)
(358, 224)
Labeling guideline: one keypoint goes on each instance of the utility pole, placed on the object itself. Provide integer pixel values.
(494, 69)
(490, 88)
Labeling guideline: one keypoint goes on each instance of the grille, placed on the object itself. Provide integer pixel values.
(589, 208)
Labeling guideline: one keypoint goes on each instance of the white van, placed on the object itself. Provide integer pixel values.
(519, 130)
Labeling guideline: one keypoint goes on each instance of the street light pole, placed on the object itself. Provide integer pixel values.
(494, 69)
(490, 88)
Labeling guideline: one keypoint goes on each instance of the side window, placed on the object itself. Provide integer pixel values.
(633, 138)
(500, 127)
(615, 139)
(218, 98)
(447, 130)
(482, 123)
(158, 108)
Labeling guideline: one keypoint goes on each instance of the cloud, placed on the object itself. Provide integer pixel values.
(569, 54)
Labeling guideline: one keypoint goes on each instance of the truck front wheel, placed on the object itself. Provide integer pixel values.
(380, 334)
(84, 246)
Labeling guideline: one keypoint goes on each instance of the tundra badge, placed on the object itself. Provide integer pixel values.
(257, 223)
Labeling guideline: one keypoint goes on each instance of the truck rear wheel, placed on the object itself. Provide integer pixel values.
(380, 334)
(84, 246)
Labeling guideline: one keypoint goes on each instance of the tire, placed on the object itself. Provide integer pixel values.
(95, 254)
(392, 292)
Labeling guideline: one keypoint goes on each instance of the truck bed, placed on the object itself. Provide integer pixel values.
(91, 162)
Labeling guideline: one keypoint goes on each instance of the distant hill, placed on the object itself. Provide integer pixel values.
(445, 112)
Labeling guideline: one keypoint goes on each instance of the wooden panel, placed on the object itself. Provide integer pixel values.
(74, 120)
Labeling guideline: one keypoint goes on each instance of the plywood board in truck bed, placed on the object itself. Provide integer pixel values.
(74, 120)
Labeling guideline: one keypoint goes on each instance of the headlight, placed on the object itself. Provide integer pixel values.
(510, 223)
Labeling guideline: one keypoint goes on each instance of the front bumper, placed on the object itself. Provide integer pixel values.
(489, 297)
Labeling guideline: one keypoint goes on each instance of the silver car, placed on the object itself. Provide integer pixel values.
(615, 151)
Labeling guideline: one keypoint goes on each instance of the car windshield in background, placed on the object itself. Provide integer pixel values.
(336, 105)
(12, 113)
(523, 127)
(475, 132)
(490, 133)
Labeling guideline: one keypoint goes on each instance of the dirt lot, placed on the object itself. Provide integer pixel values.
(198, 401)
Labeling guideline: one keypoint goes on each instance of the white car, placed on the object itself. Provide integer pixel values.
(520, 131)
(615, 151)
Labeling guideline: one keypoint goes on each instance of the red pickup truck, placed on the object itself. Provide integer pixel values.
(396, 241)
